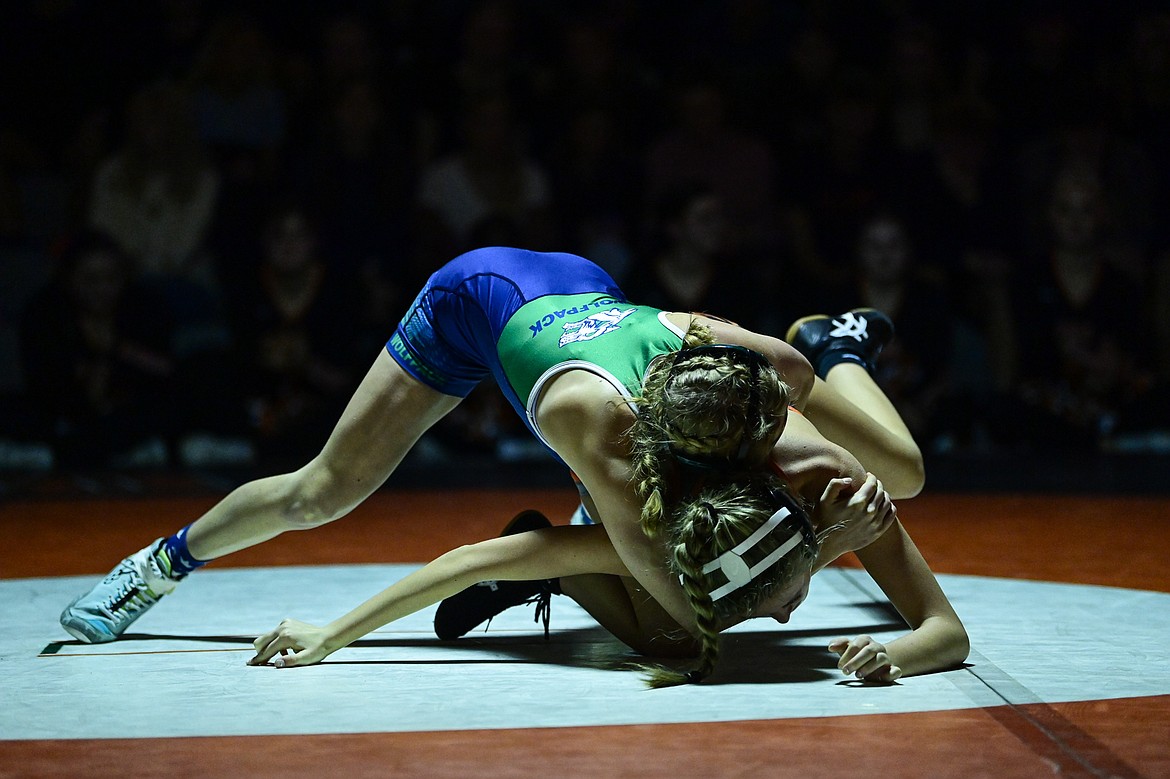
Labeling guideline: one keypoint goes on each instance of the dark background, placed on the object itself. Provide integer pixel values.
(213, 214)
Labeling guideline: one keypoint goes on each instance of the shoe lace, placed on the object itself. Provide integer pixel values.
(129, 592)
(543, 601)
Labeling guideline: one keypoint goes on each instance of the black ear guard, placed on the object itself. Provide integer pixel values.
(781, 498)
(738, 354)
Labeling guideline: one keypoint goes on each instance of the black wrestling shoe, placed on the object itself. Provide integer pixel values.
(856, 336)
(462, 612)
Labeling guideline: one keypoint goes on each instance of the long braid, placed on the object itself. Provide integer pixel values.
(704, 526)
(650, 487)
(697, 529)
(704, 405)
(707, 406)
(650, 443)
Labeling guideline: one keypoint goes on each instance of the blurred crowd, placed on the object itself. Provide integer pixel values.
(213, 214)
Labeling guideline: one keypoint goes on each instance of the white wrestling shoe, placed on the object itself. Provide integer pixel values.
(127, 592)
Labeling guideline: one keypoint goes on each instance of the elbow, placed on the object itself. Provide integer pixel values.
(959, 645)
(963, 647)
(949, 648)
(799, 376)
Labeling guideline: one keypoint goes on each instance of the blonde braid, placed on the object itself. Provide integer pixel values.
(696, 530)
(706, 406)
(648, 484)
(650, 445)
(704, 527)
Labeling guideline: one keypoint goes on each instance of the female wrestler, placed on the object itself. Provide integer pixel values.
(513, 314)
(731, 567)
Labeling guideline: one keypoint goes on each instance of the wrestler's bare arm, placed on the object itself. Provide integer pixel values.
(937, 639)
(792, 365)
(860, 419)
(540, 554)
(584, 422)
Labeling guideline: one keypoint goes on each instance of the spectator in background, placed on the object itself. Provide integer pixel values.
(293, 325)
(954, 195)
(239, 107)
(96, 359)
(340, 48)
(809, 66)
(915, 81)
(1085, 368)
(466, 53)
(955, 189)
(685, 268)
(241, 118)
(358, 177)
(914, 368)
(156, 196)
(597, 186)
(489, 175)
(1084, 140)
(594, 112)
(836, 177)
(744, 41)
(349, 54)
(589, 71)
(703, 146)
(490, 60)
(1043, 64)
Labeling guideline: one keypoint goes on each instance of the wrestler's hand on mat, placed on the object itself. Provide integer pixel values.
(861, 516)
(864, 658)
(305, 642)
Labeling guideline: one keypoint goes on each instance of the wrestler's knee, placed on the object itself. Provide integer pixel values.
(315, 497)
(911, 473)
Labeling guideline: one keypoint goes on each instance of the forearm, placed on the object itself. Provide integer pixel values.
(937, 639)
(441, 578)
(937, 644)
(833, 543)
(542, 554)
(825, 556)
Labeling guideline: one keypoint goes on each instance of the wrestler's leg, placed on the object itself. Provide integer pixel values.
(850, 409)
(624, 608)
(627, 611)
(388, 413)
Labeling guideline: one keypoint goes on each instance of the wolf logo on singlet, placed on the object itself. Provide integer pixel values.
(593, 326)
(611, 339)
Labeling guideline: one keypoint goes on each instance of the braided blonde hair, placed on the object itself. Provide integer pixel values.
(707, 525)
(702, 408)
